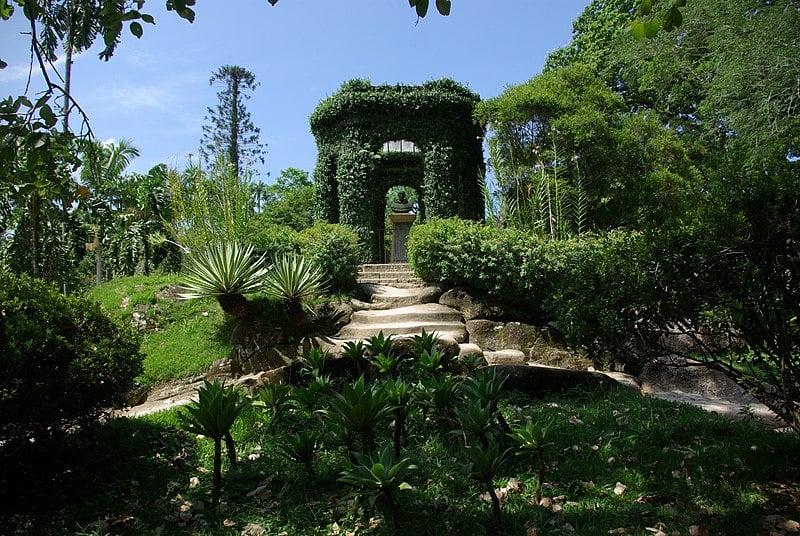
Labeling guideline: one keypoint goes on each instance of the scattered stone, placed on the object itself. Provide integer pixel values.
(505, 357)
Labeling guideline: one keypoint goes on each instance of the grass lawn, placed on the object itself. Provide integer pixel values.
(617, 464)
(182, 338)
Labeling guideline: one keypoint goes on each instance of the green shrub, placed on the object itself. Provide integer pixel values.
(271, 240)
(599, 288)
(64, 361)
(507, 264)
(334, 248)
(607, 302)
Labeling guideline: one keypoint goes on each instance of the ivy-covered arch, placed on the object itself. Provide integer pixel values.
(353, 174)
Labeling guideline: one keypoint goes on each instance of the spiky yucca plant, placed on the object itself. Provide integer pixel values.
(227, 272)
(293, 280)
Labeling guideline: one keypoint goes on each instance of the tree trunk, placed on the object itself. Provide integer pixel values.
(231, 448)
(495, 506)
(217, 483)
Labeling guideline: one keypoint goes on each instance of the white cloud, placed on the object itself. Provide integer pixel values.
(133, 97)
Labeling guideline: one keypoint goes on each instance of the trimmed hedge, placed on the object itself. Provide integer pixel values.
(599, 289)
(63, 361)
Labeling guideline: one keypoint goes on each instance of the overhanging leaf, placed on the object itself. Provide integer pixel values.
(443, 6)
(136, 29)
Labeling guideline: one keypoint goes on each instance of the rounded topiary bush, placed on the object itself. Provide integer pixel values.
(334, 248)
(63, 361)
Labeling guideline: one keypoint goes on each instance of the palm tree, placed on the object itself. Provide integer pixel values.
(104, 165)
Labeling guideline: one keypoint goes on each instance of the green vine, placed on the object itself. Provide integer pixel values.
(353, 174)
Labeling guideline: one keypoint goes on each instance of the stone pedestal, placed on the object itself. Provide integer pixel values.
(401, 226)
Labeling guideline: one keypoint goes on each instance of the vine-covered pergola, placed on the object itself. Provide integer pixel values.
(358, 129)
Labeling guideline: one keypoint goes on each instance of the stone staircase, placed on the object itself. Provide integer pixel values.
(398, 303)
(398, 275)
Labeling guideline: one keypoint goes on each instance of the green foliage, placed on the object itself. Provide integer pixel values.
(387, 364)
(222, 268)
(379, 344)
(356, 352)
(289, 202)
(272, 241)
(381, 475)
(335, 250)
(64, 361)
(293, 280)
(210, 206)
(424, 342)
(180, 338)
(533, 437)
(273, 396)
(504, 263)
(351, 127)
(229, 131)
(213, 415)
(360, 408)
(565, 160)
(439, 394)
(314, 361)
(302, 448)
(484, 463)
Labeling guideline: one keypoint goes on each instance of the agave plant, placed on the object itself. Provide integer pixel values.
(273, 396)
(424, 342)
(486, 385)
(213, 415)
(476, 420)
(387, 364)
(359, 408)
(381, 475)
(533, 437)
(484, 463)
(355, 351)
(293, 280)
(227, 272)
(379, 344)
(439, 394)
(302, 448)
(431, 361)
(314, 361)
(399, 395)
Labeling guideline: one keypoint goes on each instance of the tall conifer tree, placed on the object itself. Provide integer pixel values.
(228, 129)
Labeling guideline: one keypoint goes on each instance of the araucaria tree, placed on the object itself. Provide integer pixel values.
(229, 130)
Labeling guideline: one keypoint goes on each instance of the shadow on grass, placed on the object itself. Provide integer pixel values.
(119, 473)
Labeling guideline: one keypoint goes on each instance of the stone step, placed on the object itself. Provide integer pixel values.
(408, 320)
(399, 282)
(382, 268)
(392, 296)
(454, 330)
(425, 312)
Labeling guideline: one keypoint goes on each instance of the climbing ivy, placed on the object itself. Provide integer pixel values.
(353, 175)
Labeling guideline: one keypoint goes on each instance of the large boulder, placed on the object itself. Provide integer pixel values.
(537, 381)
(673, 373)
(491, 335)
(471, 305)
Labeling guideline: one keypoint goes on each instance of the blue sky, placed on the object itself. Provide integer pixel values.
(155, 90)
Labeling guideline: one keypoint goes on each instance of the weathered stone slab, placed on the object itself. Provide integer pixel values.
(491, 335)
(536, 381)
(505, 357)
